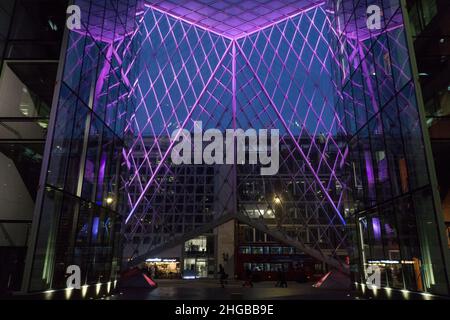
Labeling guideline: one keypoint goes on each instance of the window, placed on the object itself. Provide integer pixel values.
(275, 250)
(257, 250)
(259, 236)
(196, 245)
(288, 250)
(245, 250)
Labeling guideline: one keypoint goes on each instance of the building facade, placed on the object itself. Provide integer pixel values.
(77, 217)
(189, 197)
(356, 188)
(393, 199)
(430, 34)
(31, 37)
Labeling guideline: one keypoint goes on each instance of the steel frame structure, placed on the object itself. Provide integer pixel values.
(343, 97)
(276, 76)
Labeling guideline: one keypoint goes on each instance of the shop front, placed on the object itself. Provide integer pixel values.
(164, 268)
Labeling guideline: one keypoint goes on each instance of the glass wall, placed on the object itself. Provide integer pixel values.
(79, 206)
(30, 42)
(6, 11)
(431, 35)
(281, 79)
(391, 198)
(421, 13)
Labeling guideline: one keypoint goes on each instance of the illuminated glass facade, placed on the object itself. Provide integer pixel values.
(392, 197)
(355, 178)
(431, 36)
(77, 213)
(187, 72)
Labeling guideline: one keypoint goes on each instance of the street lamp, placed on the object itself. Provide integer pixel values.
(278, 212)
(277, 200)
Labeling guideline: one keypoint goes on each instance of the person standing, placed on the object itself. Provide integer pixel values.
(249, 278)
(152, 271)
(282, 283)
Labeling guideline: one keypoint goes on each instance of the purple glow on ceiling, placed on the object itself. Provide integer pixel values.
(103, 16)
(233, 18)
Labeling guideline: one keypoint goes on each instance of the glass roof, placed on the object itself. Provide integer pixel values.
(232, 18)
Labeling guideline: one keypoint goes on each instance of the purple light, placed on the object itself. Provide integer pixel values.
(237, 64)
(233, 51)
(95, 225)
(383, 174)
(101, 177)
(369, 168)
(376, 228)
(200, 71)
(172, 143)
(103, 73)
(89, 171)
(294, 139)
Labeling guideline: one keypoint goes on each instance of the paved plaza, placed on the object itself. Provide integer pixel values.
(211, 290)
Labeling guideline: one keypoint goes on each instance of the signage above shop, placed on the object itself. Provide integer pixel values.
(162, 260)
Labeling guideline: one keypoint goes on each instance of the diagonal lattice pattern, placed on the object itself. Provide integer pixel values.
(272, 70)
(278, 77)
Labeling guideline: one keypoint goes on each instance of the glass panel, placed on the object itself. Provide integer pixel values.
(44, 255)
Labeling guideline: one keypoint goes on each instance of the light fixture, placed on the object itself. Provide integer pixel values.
(109, 200)
(49, 294)
(98, 287)
(43, 124)
(84, 290)
(68, 293)
(374, 290)
(277, 200)
(269, 212)
(427, 296)
(388, 292)
(405, 293)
